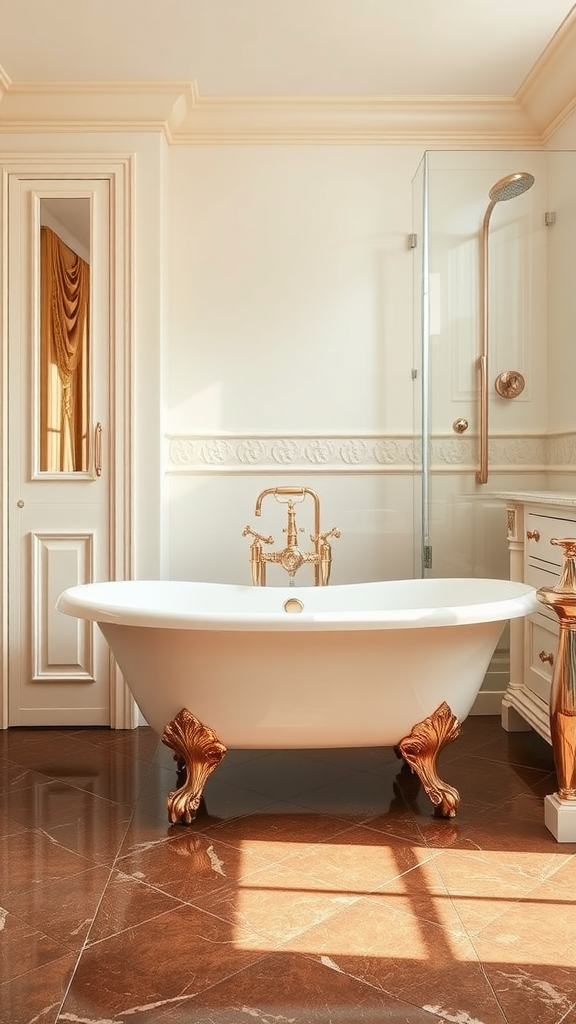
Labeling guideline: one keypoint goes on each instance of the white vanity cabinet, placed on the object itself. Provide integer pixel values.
(533, 520)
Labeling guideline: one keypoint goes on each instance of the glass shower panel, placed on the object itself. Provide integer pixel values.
(461, 529)
(527, 305)
(419, 370)
(561, 378)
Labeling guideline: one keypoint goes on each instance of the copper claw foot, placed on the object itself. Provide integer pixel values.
(197, 752)
(420, 749)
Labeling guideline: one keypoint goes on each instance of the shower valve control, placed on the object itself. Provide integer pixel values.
(509, 384)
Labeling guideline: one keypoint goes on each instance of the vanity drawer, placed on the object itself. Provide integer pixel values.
(542, 576)
(541, 653)
(537, 576)
(539, 532)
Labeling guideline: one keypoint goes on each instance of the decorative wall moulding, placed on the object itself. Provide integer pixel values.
(365, 453)
(289, 453)
(474, 121)
(187, 118)
(94, 106)
(548, 92)
(561, 451)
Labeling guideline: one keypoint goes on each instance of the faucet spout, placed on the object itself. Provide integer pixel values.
(260, 498)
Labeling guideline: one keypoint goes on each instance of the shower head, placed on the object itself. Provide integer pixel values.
(511, 186)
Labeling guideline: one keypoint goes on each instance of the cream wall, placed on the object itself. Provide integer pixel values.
(291, 304)
(290, 325)
(290, 288)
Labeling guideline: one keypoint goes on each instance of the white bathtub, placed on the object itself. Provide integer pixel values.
(358, 665)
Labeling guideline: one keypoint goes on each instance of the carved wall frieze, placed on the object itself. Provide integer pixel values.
(561, 450)
(355, 453)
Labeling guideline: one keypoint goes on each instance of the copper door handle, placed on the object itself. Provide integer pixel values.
(98, 449)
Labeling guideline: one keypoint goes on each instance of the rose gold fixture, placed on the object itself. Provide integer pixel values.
(197, 752)
(420, 749)
(533, 535)
(98, 449)
(511, 523)
(509, 384)
(507, 188)
(291, 557)
(460, 425)
(562, 600)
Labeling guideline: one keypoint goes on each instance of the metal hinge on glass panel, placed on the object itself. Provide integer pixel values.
(427, 556)
(412, 240)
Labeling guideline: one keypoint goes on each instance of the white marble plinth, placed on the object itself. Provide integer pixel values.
(560, 818)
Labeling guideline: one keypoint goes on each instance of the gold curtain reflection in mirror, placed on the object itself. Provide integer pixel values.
(64, 368)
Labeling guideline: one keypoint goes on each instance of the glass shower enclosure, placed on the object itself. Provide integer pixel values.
(494, 249)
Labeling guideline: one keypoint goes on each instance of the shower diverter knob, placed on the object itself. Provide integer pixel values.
(509, 384)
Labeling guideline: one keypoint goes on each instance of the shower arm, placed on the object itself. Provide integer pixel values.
(482, 474)
(506, 188)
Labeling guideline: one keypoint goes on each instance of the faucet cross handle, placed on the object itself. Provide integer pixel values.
(249, 532)
(323, 537)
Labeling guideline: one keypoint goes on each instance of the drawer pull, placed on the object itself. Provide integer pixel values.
(533, 535)
(546, 657)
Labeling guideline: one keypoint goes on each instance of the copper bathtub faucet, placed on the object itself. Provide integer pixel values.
(291, 557)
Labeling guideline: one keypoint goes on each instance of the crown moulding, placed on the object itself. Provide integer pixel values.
(544, 101)
(187, 118)
(403, 119)
(548, 93)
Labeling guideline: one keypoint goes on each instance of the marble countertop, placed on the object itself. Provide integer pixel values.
(562, 498)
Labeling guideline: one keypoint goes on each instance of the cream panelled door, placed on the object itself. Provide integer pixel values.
(59, 449)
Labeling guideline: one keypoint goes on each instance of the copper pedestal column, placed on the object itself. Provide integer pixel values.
(560, 807)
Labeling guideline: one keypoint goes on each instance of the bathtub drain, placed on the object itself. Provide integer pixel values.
(293, 606)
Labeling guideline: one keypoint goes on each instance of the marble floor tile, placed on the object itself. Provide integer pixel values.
(64, 908)
(36, 997)
(126, 903)
(169, 958)
(285, 988)
(23, 947)
(29, 858)
(314, 886)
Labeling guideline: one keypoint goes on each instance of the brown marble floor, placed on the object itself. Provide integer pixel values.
(316, 887)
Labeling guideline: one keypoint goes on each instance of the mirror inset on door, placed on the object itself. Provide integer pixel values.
(64, 335)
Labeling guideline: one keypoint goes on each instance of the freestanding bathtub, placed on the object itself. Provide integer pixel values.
(216, 666)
